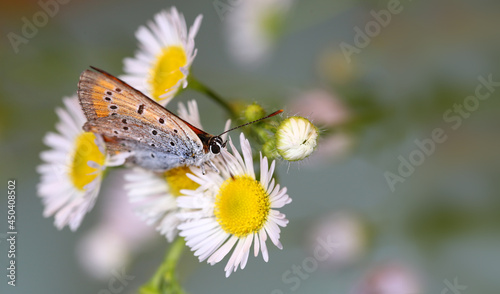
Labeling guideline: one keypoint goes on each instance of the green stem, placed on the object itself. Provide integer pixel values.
(165, 279)
(194, 84)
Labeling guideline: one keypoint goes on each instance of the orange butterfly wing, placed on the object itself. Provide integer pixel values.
(104, 96)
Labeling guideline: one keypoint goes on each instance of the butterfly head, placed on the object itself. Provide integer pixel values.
(216, 144)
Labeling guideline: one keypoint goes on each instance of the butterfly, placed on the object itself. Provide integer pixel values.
(129, 121)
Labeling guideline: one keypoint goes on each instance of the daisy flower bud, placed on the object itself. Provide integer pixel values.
(254, 111)
(296, 138)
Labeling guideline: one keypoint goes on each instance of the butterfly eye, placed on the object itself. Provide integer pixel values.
(215, 145)
(214, 148)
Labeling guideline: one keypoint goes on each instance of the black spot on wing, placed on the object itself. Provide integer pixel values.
(141, 109)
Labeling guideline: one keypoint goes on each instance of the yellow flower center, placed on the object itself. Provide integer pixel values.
(177, 180)
(166, 72)
(86, 149)
(242, 206)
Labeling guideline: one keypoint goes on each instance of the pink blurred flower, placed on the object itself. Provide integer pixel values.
(323, 108)
(390, 279)
(119, 234)
(346, 231)
(326, 111)
(332, 147)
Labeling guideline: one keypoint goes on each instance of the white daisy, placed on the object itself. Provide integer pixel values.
(233, 210)
(155, 193)
(253, 27)
(72, 170)
(166, 53)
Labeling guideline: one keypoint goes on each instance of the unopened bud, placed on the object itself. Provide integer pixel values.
(254, 111)
(296, 138)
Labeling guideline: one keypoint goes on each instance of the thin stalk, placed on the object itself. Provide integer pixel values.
(194, 84)
(165, 279)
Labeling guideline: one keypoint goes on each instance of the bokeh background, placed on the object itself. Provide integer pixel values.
(437, 228)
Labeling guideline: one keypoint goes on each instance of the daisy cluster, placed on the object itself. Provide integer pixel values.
(223, 212)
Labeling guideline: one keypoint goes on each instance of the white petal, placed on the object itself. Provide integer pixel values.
(222, 251)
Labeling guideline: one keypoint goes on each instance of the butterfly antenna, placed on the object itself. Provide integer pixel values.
(257, 120)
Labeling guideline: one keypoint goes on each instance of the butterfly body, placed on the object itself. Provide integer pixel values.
(129, 121)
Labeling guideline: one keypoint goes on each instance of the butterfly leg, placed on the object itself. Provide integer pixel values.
(212, 165)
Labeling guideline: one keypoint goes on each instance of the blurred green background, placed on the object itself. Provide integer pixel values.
(442, 223)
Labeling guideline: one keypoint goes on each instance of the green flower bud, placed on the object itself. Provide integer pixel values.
(269, 149)
(254, 111)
